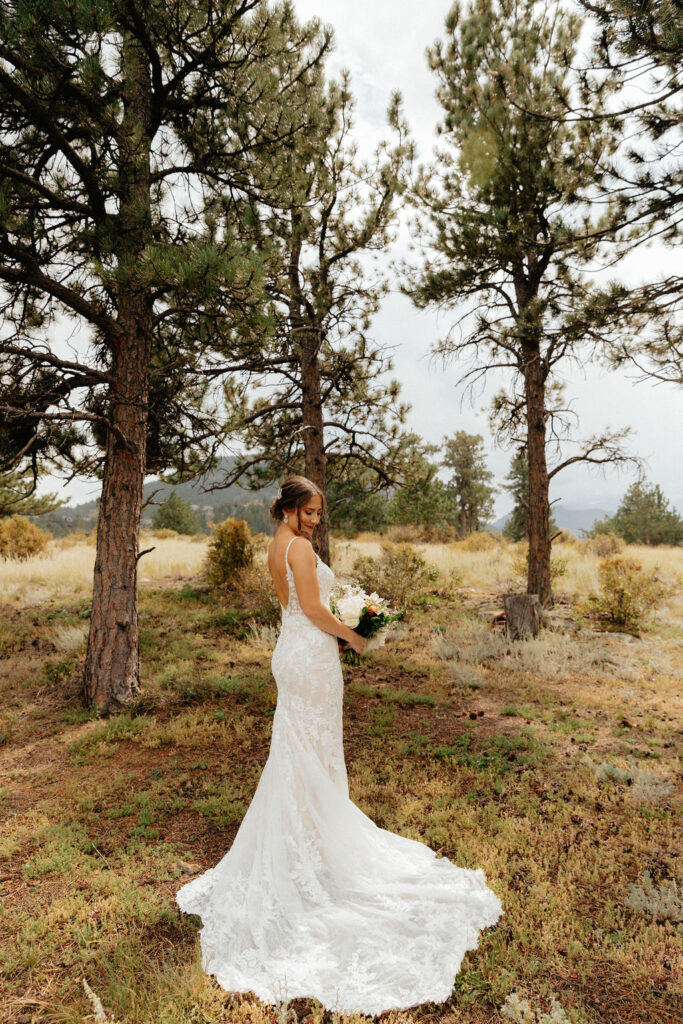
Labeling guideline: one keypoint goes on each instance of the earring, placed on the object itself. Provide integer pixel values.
(285, 518)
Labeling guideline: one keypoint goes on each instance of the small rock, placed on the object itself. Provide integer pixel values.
(188, 868)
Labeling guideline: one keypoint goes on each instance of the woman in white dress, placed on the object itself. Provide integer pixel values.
(313, 899)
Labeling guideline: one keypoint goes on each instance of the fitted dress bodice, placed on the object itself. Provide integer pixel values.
(325, 584)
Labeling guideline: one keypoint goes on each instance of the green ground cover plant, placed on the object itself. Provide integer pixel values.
(553, 767)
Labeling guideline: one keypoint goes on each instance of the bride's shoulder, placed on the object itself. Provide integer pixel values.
(301, 549)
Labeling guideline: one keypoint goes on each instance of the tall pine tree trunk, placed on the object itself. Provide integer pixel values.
(112, 668)
(307, 335)
(538, 580)
(312, 421)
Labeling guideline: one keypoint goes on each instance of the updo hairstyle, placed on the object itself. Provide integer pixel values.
(294, 492)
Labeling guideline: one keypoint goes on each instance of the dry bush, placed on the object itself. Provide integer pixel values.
(420, 533)
(262, 636)
(646, 788)
(470, 642)
(628, 594)
(70, 638)
(565, 537)
(400, 575)
(662, 904)
(604, 544)
(254, 589)
(404, 533)
(164, 533)
(21, 539)
(261, 542)
(78, 538)
(520, 1011)
(520, 564)
(480, 540)
(229, 553)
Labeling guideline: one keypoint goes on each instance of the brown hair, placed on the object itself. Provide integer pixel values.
(294, 492)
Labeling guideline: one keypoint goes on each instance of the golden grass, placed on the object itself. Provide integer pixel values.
(63, 571)
(493, 754)
(66, 570)
(494, 568)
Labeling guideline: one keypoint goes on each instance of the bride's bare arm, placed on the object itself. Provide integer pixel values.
(302, 561)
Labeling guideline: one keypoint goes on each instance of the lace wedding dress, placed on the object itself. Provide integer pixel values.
(313, 899)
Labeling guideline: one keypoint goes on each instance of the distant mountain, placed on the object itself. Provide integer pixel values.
(573, 519)
(84, 516)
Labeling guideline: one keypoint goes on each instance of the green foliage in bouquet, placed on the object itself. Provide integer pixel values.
(372, 619)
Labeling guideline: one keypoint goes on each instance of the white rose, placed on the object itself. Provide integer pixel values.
(350, 606)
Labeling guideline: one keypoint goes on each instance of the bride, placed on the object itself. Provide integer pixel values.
(313, 899)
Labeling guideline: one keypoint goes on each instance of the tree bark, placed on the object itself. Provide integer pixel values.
(538, 580)
(521, 615)
(312, 420)
(307, 333)
(112, 668)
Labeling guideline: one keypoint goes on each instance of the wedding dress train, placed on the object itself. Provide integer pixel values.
(313, 898)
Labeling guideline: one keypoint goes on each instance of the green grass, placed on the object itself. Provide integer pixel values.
(97, 818)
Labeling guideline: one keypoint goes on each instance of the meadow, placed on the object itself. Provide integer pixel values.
(552, 764)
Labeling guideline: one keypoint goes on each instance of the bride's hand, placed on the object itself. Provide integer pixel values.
(358, 643)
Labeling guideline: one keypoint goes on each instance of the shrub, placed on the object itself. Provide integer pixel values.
(520, 565)
(229, 553)
(520, 1011)
(645, 787)
(605, 544)
(480, 540)
(256, 592)
(70, 638)
(662, 904)
(21, 539)
(627, 595)
(400, 575)
(421, 533)
(176, 514)
(164, 533)
(75, 539)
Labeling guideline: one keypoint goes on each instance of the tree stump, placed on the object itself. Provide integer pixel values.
(522, 615)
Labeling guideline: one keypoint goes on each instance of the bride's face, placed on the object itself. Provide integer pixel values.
(309, 513)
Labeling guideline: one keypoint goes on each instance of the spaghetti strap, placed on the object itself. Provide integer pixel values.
(287, 565)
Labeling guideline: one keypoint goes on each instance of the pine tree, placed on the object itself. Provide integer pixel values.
(328, 410)
(644, 517)
(507, 223)
(517, 484)
(137, 142)
(354, 506)
(18, 497)
(470, 480)
(177, 514)
(422, 499)
(641, 43)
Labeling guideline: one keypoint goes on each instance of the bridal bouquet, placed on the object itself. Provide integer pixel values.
(366, 614)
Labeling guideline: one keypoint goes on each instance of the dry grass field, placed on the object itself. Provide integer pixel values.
(553, 764)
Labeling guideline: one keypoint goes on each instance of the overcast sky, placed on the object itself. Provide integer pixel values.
(382, 43)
